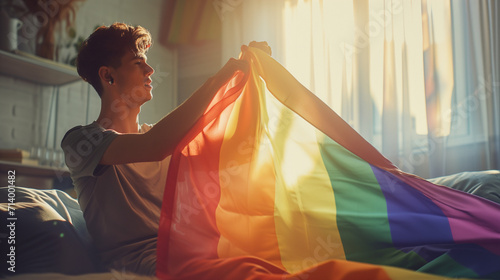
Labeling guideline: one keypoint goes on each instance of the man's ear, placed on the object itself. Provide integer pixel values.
(105, 75)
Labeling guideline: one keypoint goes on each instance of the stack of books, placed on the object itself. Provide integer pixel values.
(17, 155)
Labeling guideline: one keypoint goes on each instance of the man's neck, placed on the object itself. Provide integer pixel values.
(122, 119)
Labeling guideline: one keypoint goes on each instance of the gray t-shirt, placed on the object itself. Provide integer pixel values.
(121, 203)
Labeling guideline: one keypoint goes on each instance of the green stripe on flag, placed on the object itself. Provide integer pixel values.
(361, 209)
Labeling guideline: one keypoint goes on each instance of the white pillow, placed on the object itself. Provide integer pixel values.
(50, 233)
(485, 184)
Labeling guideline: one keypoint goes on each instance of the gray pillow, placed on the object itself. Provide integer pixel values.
(485, 184)
(50, 233)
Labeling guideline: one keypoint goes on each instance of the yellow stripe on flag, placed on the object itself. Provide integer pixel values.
(305, 216)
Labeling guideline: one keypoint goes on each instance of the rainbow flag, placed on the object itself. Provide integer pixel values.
(272, 184)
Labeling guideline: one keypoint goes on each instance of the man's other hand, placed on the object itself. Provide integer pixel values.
(260, 45)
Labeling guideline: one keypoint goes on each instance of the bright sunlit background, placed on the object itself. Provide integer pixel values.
(406, 74)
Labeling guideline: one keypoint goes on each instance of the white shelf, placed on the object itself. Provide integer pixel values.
(36, 69)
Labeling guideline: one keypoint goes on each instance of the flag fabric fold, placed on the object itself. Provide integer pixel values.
(272, 184)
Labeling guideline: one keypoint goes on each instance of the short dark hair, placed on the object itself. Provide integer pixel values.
(106, 46)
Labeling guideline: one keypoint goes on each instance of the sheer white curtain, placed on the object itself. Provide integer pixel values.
(417, 78)
(476, 102)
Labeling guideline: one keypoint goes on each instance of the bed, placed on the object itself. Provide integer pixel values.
(52, 241)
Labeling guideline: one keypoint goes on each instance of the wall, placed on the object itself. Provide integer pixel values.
(25, 115)
(196, 64)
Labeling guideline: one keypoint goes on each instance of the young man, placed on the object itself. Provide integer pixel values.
(119, 167)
